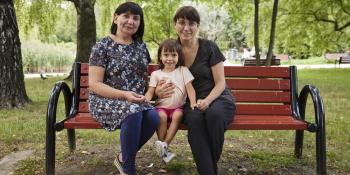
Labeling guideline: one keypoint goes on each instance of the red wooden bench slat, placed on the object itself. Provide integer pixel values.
(258, 84)
(239, 71)
(83, 107)
(241, 96)
(84, 120)
(262, 96)
(257, 71)
(84, 81)
(263, 109)
(84, 68)
(84, 94)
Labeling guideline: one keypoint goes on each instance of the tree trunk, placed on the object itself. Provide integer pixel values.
(272, 33)
(256, 32)
(86, 29)
(12, 89)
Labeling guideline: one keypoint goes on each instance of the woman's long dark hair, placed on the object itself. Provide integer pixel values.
(134, 9)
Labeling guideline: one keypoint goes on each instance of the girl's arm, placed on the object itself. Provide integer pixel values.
(191, 94)
(219, 79)
(149, 94)
(96, 75)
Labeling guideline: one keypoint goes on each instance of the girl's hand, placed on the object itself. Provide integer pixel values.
(203, 104)
(164, 90)
(134, 97)
(193, 106)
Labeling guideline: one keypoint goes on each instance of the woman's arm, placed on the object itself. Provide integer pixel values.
(164, 90)
(191, 93)
(219, 80)
(96, 75)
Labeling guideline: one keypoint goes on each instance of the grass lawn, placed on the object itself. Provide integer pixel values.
(245, 152)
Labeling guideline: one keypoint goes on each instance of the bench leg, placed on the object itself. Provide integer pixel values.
(71, 139)
(299, 140)
(50, 149)
(321, 150)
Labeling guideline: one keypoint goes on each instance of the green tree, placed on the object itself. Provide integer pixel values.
(313, 27)
(272, 33)
(12, 88)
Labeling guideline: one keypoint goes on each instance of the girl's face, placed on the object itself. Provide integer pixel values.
(169, 59)
(186, 29)
(127, 23)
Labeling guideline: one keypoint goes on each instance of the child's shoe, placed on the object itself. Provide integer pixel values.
(161, 148)
(169, 156)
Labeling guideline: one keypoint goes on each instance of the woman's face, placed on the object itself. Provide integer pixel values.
(127, 23)
(186, 29)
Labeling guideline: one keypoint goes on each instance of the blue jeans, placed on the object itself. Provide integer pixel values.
(135, 131)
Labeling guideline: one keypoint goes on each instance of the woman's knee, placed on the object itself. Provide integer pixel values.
(193, 117)
(152, 117)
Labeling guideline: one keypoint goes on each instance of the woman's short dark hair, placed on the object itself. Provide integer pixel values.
(170, 45)
(187, 12)
(134, 9)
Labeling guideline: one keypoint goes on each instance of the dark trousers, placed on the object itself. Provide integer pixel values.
(206, 131)
(135, 131)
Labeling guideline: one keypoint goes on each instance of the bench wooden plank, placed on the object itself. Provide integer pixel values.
(85, 121)
(241, 96)
(84, 81)
(263, 109)
(258, 84)
(255, 71)
(262, 96)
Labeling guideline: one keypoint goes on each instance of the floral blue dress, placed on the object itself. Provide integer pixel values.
(125, 69)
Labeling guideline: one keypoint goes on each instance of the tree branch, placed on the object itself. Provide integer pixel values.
(343, 8)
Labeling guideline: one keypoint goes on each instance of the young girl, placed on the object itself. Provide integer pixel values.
(170, 61)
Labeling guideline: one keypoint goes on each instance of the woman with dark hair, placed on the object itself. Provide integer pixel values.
(215, 104)
(117, 79)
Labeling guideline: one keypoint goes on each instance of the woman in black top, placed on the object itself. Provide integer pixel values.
(215, 104)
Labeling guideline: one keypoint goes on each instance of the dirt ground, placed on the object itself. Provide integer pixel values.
(98, 159)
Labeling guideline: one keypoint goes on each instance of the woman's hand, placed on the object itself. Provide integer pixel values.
(164, 90)
(134, 97)
(203, 104)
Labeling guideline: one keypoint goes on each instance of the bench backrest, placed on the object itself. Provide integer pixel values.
(333, 56)
(258, 90)
(252, 62)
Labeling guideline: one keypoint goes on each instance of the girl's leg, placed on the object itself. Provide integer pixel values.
(150, 123)
(174, 125)
(130, 132)
(162, 128)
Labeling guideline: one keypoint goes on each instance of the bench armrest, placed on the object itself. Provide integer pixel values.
(59, 87)
(318, 107)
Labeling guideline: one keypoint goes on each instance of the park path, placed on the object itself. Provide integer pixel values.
(7, 163)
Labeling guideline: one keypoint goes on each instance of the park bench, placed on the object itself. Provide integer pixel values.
(334, 57)
(252, 62)
(267, 98)
(283, 57)
(345, 59)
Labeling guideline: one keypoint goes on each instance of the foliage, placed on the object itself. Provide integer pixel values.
(304, 28)
(47, 57)
(302, 31)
